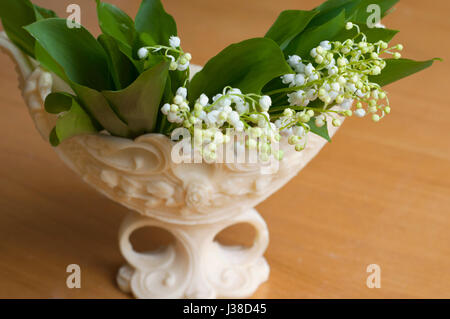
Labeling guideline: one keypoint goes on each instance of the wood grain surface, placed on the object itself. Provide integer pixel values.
(378, 194)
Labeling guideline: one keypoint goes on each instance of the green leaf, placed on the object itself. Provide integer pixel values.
(152, 60)
(288, 25)
(153, 20)
(331, 9)
(53, 138)
(99, 108)
(16, 14)
(399, 69)
(139, 103)
(312, 37)
(49, 63)
(321, 131)
(71, 122)
(122, 69)
(58, 102)
(178, 79)
(360, 15)
(42, 13)
(335, 5)
(163, 124)
(373, 34)
(93, 101)
(356, 10)
(82, 58)
(248, 65)
(117, 24)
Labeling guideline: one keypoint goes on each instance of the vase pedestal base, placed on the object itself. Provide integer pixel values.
(195, 266)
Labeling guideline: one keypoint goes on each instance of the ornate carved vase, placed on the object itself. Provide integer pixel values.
(194, 202)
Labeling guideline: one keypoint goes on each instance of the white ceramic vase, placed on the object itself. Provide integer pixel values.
(194, 202)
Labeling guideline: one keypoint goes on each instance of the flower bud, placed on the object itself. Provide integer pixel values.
(143, 53)
(183, 60)
(360, 112)
(265, 102)
(319, 59)
(299, 147)
(174, 42)
(178, 99)
(293, 140)
(173, 66)
(319, 122)
(336, 123)
(320, 50)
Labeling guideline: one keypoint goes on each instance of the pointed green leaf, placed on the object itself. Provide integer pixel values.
(121, 68)
(47, 62)
(175, 80)
(73, 121)
(93, 101)
(311, 38)
(16, 14)
(42, 13)
(155, 21)
(248, 65)
(117, 24)
(99, 108)
(80, 55)
(178, 79)
(321, 131)
(356, 10)
(336, 5)
(58, 102)
(329, 10)
(139, 103)
(163, 124)
(53, 138)
(360, 14)
(288, 25)
(399, 69)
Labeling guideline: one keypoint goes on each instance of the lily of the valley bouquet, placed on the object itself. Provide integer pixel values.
(310, 69)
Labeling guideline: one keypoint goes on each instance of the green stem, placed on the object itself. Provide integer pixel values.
(295, 88)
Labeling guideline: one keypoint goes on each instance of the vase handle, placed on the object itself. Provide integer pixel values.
(24, 65)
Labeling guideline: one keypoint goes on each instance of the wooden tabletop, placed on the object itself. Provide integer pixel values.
(378, 194)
